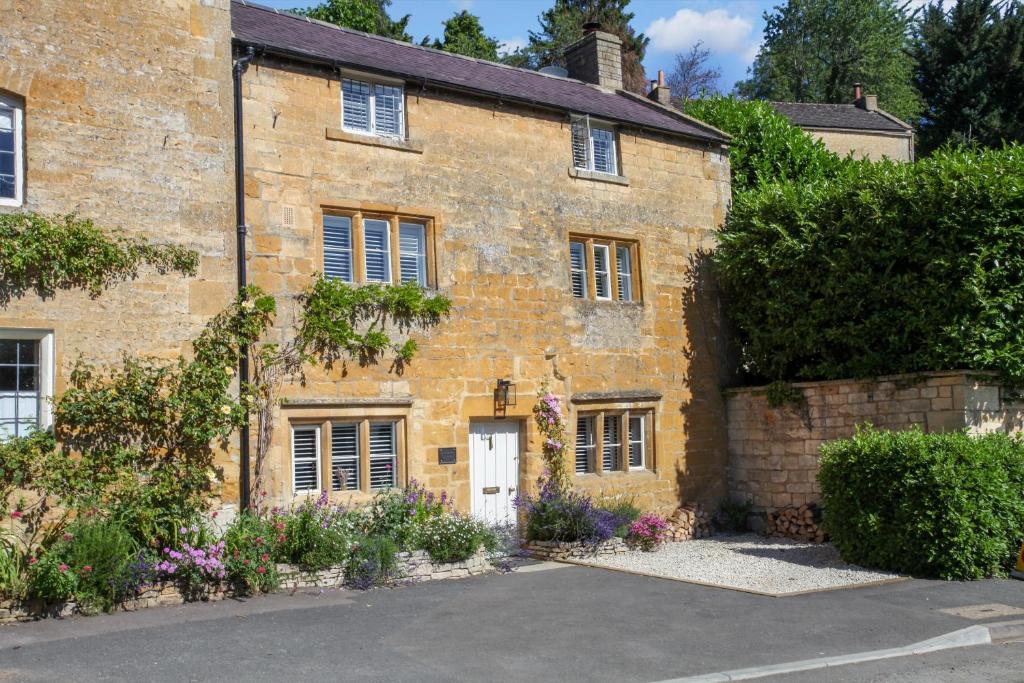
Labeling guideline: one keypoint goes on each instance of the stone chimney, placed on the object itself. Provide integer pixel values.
(659, 90)
(865, 102)
(596, 58)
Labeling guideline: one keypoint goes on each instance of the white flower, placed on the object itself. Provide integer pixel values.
(226, 409)
(248, 305)
(229, 371)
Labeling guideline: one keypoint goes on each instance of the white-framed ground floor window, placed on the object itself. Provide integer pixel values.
(346, 453)
(614, 441)
(26, 381)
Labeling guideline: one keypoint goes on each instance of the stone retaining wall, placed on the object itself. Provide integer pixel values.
(412, 567)
(557, 550)
(773, 451)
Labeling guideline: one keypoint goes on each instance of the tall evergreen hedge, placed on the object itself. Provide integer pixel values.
(879, 268)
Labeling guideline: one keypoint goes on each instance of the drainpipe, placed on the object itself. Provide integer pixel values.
(240, 65)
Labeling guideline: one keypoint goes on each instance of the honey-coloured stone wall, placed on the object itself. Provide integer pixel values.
(774, 451)
(867, 144)
(494, 178)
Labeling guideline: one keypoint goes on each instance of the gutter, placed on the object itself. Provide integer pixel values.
(237, 71)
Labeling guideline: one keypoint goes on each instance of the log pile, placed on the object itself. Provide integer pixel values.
(799, 523)
(687, 522)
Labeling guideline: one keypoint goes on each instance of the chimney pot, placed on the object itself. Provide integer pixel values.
(856, 92)
(661, 77)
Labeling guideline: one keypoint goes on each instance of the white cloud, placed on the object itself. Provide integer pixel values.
(720, 31)
(507, 47)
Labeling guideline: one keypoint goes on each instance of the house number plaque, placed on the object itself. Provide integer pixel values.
(446, 456)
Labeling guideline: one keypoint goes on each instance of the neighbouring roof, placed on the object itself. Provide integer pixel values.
(850, 116)
(305, 39)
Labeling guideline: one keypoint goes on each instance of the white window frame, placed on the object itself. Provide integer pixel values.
(355, 425)
(319, 458)
(585, 126)
(420, 255)
(581, 271)
(625, 275)
(611, 451)
(603, 276)
(371, 107)
(45, 380)
(589, 445)
(16, 105)
(642, 442)
(392, 457)
(386, 251)
(340, 251)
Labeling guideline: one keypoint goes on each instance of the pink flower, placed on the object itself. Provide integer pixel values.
(261, 570)
(33, 560)
(63, 568)
(17, 514)
(264, 557)
(86, 569)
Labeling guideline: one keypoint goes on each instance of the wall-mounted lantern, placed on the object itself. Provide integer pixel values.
(504, 396)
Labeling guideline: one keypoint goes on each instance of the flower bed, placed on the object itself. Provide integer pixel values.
(411, 567)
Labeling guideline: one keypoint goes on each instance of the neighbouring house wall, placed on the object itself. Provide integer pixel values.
(495, 179)
(128, 123)
(773, 452)
(866, 144)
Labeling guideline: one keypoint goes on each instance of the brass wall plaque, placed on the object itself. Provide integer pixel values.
(492, 489)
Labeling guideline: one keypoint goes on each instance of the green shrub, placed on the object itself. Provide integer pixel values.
(398, 513)
(101, 553)
(13, 580)
(250, 543)
(51, 579)
(881, 269)
(372, 562)
(945, 505)
(453, 537)
(625, 510)
(313, 536)
(734, 515)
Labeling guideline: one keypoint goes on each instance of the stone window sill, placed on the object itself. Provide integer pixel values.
(637, 473)
(600, 177)
(375, 141)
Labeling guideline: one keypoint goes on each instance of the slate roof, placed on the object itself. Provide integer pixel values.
(300, 38)
(806, 115)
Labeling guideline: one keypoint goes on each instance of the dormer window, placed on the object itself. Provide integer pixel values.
(372, 108)
(593, 146)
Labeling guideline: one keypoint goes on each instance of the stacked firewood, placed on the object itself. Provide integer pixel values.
(689, 521)
(799, 523)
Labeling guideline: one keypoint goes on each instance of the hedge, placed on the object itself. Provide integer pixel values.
(935, 505)
(882, 268)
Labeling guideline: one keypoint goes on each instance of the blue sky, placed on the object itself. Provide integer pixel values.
(731, 29)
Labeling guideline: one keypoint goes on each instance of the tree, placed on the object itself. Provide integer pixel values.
(562, 25)
(970, 72)
(369, 16)
(691, 77)
(464, 35)
(815, 50)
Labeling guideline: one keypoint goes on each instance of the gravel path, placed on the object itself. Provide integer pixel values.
(747, 562)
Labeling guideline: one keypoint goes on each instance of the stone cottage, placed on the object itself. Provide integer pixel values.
(859, 128)
(567, 220)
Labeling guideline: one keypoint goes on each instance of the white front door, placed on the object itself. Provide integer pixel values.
(494, 470)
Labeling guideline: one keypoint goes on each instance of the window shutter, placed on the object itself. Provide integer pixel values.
(611, 456)
(355, 105)
(338, 247)
(345, 457)
(377, 249)
(578, 269)
(584, 443)
(625, 271)
(306, 459)
(412, 253)
(383, 455)
(387, 110)
(581, 141)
